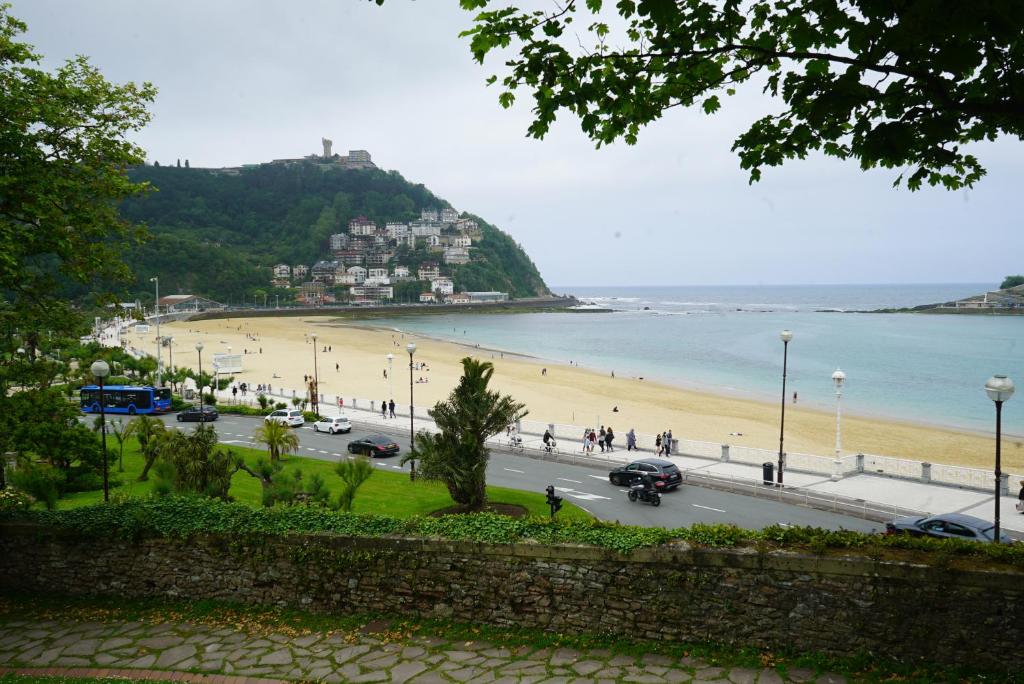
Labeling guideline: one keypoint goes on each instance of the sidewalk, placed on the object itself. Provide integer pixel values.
(371, 654)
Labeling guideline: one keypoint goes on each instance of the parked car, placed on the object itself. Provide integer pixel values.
(333, 425)
(665, 474)
(946, 526)
(374, 445)
(194, 415)
(292, 417)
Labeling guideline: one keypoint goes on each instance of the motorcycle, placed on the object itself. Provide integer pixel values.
(637, 491)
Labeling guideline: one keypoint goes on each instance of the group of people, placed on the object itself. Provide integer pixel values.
(387, 409)
(663, 443)
(604, 439)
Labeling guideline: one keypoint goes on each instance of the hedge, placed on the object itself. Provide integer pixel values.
(183, 517)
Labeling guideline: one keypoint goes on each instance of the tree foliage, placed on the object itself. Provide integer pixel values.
(457, 455)
(64, 151)
(906, 84)
(197, 464)
(1011, 281)
(278, 438)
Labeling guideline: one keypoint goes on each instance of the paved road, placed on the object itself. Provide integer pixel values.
(585, 486)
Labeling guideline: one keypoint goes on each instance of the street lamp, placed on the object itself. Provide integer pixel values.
(839, 377)
(156, 309)
(411, 348)
(785, 336)
(199, 348)
(101, 370)
(391, 392)
(316, 380)
(999, 389)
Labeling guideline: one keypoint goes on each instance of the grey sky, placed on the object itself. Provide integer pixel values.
(244, 81)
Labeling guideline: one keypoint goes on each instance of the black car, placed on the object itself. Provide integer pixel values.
(374, 445)
(194, 415)
(665, 474)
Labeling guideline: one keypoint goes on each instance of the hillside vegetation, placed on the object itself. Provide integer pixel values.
(219, 235)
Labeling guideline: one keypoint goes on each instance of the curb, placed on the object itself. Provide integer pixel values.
(121, 673)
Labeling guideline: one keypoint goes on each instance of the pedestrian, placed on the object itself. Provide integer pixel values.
(666, 442)
(385, 373)
(261, 350)
(592, 441)
(608, 437)
(586, 439)
(337, 368)
(657, 443)
(794, 397)
(391, 407)
(234, 391)
(1020, 498)
(329, 348)
(630, 440)
(600, 440)
(384, 409)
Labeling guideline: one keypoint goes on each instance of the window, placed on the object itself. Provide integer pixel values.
(959, 530)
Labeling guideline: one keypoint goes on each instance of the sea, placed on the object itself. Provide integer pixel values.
(924, 368)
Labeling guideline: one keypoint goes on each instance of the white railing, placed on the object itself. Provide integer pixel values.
(971, 478)
(893, 467)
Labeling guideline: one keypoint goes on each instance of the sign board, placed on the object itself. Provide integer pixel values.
(227, 363)
(141, 328)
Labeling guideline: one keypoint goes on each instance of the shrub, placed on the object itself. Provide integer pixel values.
(242, 410)
(14, 500)
(42, 482)
(280, 405)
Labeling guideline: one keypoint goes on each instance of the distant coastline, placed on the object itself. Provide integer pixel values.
(1003, 302)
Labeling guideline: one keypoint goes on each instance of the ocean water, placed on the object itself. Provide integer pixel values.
(923, 368)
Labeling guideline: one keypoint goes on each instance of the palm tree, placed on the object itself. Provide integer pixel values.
(278, 438)
(353, 473)
(457, 455)
(149, 432)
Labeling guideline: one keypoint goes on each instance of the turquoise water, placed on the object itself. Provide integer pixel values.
(926, 368)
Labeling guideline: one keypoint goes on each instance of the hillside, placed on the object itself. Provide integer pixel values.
(220, 235)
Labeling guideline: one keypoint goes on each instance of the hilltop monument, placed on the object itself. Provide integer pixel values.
(327, 147)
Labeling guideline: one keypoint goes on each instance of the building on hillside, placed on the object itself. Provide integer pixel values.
(359, 159)
(378, 258)
(361, 225)
(377, 276)
(352, 257)
(358, 272)
(282, 271)
(428, 271)
(408, 240)
(487, 296)
(442, 286)
(323, 271)
(365, 294)
(457, 298)
(313, 293)
(427, 298)
(434, 243)
(186, 302)
(469, 227)
(429, 215)
(339, 241)
(346, 279)
(424, 229)
(300, 271)
(456, 255)
(461, 241)
(400, 272)
(281, 282)
(449, 215)
(395, 230)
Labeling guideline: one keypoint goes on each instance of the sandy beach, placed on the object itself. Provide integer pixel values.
(278, 351)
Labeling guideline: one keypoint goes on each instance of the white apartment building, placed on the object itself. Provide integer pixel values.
(377, 276)
(282, 271)
(449, 215)
(362, 226)
(371, 293)
(461, 241)
(396, 230)
(424, 229)
(358, 272)
(429, 215)
(338, 241)
(428, 272)
(401, 272)
(456, 255)
(347, 279)
(442, 286)
(300, 270)
(408, 240)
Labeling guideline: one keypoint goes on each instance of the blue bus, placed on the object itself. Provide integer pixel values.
(126, 399)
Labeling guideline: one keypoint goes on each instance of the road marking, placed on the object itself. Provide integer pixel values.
(599, 477)
(322, 451)
(513, 470)
(782, 524)
(581, 495)
(709, 508)
(397, 467)
(565, 479)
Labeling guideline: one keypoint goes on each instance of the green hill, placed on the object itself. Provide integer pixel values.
(218, 235)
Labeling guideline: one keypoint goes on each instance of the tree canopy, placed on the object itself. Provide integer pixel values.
(900, 84)
(1011, 281)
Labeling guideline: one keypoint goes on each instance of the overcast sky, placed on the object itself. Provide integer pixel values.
(246, 81)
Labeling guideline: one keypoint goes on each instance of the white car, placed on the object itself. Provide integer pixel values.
(290, 417)
(333, 425)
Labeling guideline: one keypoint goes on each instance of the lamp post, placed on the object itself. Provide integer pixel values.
(156, 309)
(199, 348)
(391, 392)
(411, 348)
(839, 377)
(101, 370)
(316, 380)
(785, 336)
(999, 389)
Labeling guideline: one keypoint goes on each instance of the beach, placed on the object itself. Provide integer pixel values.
(279, 352)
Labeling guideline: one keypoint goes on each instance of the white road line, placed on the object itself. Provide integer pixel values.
(565, 479)
(581, 495)
(782, 524)
(709, 508)
(599, 477)
(513, 470)
(397, 467)
(322, 451)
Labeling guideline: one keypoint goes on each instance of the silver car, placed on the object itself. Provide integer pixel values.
(946, 526)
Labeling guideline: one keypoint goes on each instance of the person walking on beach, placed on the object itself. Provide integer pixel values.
(600, 438)
(794, 397)
(657, 443)
(384, 409)
(337, 368)
(608, 437)
(391, 408)
(630, 440)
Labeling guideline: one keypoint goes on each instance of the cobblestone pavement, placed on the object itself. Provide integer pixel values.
(350, 657)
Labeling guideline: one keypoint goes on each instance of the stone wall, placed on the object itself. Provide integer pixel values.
(838, 606)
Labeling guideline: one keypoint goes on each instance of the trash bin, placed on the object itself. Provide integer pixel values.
(190, 394)
(768, 472)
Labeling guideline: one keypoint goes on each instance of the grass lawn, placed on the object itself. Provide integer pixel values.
(386, 493)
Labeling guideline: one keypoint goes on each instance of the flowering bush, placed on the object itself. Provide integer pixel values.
(14, 500)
